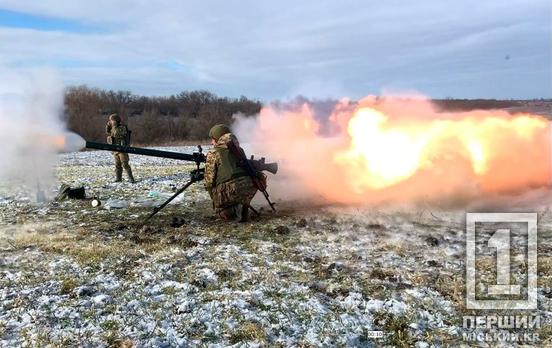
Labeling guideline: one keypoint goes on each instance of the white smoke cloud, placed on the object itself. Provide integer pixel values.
(31, 104)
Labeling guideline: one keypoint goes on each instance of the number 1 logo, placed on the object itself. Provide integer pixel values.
(500, 240)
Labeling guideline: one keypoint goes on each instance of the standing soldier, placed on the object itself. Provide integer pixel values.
(118, 134)
(229, 186)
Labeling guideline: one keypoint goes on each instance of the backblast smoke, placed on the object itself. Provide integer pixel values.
(400, 149)
(30, 107)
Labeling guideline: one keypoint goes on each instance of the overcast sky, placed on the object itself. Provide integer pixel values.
(278, 49)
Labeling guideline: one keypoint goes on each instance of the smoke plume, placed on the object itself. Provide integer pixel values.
(30, 107)
(399, 149)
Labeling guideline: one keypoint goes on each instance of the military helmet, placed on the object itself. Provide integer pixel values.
(219, 130)
(115, 117)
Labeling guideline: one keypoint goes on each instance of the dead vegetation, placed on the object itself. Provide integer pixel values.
(298, 277)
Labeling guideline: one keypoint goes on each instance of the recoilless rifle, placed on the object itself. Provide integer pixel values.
(251, 166)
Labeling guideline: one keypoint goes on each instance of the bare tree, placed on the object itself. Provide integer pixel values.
(186, 115)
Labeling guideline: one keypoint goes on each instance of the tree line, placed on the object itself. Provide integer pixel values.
(153, 120)
(190, 114)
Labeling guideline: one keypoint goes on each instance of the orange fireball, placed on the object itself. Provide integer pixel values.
(400, 149)
(381, 155)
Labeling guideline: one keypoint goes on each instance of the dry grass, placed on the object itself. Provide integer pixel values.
(248, 331)
(399, 249)
(452, 287)
(396, 326)
(68, 285)
(88, 251)
(545, 335)
(320, 260)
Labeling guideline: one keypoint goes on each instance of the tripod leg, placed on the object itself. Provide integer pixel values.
(244, 214)
(158, 209)
(254, 210)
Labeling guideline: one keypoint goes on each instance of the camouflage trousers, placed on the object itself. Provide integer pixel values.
(121, 161)
(228, 195)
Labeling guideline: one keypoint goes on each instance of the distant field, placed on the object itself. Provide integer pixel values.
(541, 107)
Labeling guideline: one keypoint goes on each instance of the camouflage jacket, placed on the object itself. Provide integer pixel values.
(118, 135)
(220, 165)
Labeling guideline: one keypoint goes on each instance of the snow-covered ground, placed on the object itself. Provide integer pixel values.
(75, 275)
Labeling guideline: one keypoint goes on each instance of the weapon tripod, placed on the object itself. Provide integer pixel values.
(196, 175)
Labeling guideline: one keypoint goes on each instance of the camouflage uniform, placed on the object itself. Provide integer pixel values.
(228, 185)
(119, 135)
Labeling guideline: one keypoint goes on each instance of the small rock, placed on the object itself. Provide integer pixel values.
(84, 291)
(204, 278)
(404, 285)
(318, 286)
(336, 266)
(432, 241)
(86, 304)
(432, 263)
(302, 223)
(355, 256)
(177, 221)
(282, 230)
(184, 307)
(376, 226)
(311, 259)
(102, 299)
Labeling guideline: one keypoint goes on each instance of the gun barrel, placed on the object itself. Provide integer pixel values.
(197, 157)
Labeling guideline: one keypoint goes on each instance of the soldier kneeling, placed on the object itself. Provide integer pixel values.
(229, 186)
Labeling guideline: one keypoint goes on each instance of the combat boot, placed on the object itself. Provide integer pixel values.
(228, 213)
(118, 174)
(243, 213)
(130, 176)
